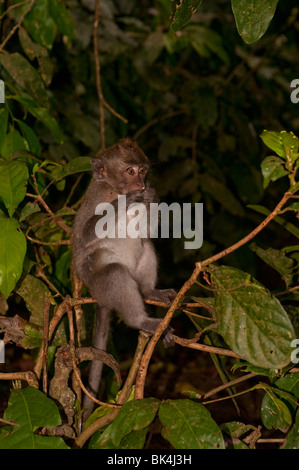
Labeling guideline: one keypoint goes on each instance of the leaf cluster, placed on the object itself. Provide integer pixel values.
(196, 98)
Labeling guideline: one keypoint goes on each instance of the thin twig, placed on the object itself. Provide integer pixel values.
(74, 187)
(73, 358)
(45, 344)
(98, 73)
(251, 235)
(42, 202)
(102, 102)
(39, 273)
(14, 29)
(28, 376)
(142, 373)
(205, 347)
(77, 308)
(52, 326)
(229, 384)
(4, 421)
(40, 242)
(155, 121)
(11, 7)
(115, 113)
(123, 396)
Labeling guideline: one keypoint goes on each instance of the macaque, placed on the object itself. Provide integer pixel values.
(118, 272)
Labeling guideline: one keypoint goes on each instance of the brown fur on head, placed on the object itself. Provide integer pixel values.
(124, 164)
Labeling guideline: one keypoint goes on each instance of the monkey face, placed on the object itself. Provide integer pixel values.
(134, 177)
(124, 166)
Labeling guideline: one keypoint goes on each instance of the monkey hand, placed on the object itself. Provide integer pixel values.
(135, 196)
(167, 338)
(161, 295)
(150, 195)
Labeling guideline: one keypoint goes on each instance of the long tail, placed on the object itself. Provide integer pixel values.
(95, 373)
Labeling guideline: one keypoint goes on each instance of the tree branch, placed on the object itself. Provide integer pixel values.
(140, 381)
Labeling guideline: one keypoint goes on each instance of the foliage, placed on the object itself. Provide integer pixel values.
(177, 77)
(28, 410)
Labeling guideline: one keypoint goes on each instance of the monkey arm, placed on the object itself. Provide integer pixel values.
(146, 276)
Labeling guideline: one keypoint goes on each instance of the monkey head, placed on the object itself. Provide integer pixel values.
(123, 165)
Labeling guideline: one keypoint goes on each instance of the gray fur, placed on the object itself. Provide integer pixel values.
(117, 272)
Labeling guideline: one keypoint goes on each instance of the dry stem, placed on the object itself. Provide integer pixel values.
(123, 396)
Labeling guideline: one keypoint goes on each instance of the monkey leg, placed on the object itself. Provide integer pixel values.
(115, 289)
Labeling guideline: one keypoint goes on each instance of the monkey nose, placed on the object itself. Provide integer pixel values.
(141, 185)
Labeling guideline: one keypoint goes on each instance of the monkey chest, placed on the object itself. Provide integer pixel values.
(125, 251)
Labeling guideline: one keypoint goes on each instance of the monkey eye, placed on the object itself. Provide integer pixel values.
(142, 171)
(130, 171)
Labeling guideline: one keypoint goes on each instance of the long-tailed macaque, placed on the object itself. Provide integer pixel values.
(118, 272)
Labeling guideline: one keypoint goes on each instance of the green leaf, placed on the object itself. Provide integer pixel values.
(204, 40)
(273, 140)
(34, 50)
(62, 267)
(277, 260)
(183, 11)
(41, 114)
(40, 25)
(293, 436)
(221, 193)
(293, 207)
(133, 416)
(3, 124)
(13, 183)
(275, 413)
(247, 367)
(62, 17)
(252, 322)
(77, 165)
(284, 143)
(289, 383)
(291, 145)
(253, 17)
(30, 409)
(30, 208)
(236, 430)
(272, 169)
(34, 292)
(34, 336)
(26, 76)
(279, 220)
(31, 48)
(13, 142)
(134, 440)
(12, 254)
(30, 136)
(189, 425)
(205, 110)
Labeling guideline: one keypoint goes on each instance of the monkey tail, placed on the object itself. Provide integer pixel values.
(95, 373)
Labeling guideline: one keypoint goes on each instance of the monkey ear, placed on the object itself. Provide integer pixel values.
(98, 168)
